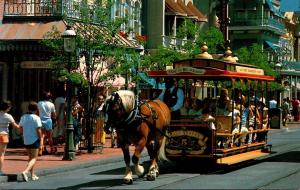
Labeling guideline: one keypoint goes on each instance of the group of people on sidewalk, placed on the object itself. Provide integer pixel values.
(31, 127)
(43, 123)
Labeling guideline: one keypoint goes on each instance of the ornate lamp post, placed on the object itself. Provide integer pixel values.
(278, 67)
(69, 46)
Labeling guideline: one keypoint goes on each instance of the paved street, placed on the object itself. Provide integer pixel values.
(281, 170)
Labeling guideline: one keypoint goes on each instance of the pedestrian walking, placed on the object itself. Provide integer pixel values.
(285, 111)
(31, 126)
(100, 134)
(77, 114)
(59, 102)
(47, 113)
(5, 120)
(295, 110)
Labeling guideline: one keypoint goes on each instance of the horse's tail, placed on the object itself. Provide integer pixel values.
(162, 153)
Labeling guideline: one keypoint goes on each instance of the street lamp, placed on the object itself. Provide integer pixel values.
(278, 67)
(141, 50)
(69, 47)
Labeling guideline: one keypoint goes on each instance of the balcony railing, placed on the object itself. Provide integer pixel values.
(273, 23)
(30, 9)
(169, 41)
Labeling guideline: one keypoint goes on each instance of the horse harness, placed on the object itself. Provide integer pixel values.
(137, 117)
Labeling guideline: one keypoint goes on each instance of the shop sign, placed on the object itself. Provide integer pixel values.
(36, 64)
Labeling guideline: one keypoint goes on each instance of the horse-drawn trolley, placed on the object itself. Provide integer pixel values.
(236, 96)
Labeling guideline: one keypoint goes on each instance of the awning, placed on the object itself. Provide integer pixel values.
(28, 30)
(200, 16)
(189, 10)
(173, 8)
(84, 30)
(34, 31)
(272, 45)
(186, 9)
(274, 9)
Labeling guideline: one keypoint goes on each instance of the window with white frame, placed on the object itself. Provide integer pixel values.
(131, 10)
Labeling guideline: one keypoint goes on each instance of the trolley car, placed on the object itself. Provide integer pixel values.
(203, 77)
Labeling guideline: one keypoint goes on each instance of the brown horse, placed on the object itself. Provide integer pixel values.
(141, 124)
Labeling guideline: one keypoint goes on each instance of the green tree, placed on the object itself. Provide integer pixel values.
(100, 53)
(97, 34)
(254, 55)
(164, 56)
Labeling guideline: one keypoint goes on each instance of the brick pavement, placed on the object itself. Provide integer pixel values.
(16, 160)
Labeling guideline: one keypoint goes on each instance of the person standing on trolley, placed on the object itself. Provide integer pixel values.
(173, 96)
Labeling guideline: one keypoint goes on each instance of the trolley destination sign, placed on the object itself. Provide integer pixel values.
(210, 68)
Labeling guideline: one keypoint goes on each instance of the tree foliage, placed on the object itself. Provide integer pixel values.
(254, 55)
(97, 40)
(195, 38)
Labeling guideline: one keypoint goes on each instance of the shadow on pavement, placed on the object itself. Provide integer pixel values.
(292, 156)
(97, 184)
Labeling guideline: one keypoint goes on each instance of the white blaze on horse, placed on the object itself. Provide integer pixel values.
(142, 124)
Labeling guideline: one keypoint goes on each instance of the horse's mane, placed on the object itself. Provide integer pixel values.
(128, 99)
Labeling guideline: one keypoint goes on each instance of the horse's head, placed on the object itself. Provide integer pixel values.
(118, 105)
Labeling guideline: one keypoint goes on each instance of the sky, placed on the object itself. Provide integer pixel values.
(290, 5)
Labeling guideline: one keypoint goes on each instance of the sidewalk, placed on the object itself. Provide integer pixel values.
(16, 161)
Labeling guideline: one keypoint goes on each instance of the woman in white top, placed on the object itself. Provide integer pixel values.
(31, 126)
(5, 120)
(47, 113)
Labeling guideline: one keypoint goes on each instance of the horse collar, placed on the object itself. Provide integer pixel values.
(134, 113)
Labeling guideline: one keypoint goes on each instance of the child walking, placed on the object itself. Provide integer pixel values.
(31, 124)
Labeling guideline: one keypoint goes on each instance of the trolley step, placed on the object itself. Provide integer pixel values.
(229, 160)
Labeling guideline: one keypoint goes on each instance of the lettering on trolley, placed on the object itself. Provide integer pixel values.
(249, 70)
(186, 69)
(195, 142)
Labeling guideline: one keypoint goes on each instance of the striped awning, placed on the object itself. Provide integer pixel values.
(181, 9)
(14, 35)
(28, 30)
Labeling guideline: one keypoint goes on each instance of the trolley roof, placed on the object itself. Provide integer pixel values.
(211, 69)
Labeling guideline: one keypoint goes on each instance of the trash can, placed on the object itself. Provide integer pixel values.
(275, 116)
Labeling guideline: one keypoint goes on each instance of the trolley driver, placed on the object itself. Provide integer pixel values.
(173, 97)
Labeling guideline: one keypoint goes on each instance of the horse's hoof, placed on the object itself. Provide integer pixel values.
(151, 177)
(128, 181)
(140, 171)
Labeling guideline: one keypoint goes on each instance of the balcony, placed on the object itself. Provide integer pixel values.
(257, 24)
(38, 9)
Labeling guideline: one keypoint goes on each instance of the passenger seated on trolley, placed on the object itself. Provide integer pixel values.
(184, 110)
(222, 102)
(263, 114)
(207, 117)
(262, 120)
(196, 110)
(242, 130)
(235, 113)
(253, 120)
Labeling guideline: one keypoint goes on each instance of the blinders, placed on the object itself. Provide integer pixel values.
(114, 109)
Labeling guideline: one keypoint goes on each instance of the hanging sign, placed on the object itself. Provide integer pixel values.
(36, 64)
